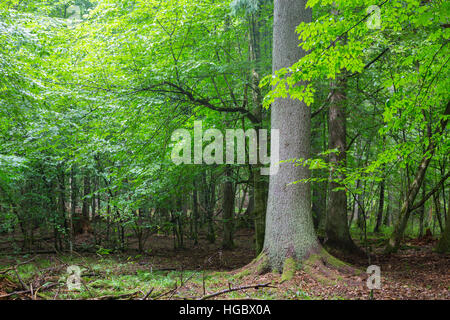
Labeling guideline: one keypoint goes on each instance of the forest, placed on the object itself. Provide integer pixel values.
(224, 150)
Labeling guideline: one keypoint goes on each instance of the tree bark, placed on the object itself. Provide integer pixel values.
(195, 213)
(289, 226)
(422, 210)
(387, 215)
(62, 201)
(336, 226)
(443, 245)
(228, 210)
(85, 211)
(397, 235)
(209, 198)
(319, 188)
(259, 183)
(73, 204)
(380, 207)
(437, 208)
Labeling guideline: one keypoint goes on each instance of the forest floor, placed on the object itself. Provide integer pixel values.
(415, 272)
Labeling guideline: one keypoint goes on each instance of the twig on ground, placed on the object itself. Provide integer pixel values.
(113, 297)
(26, 291)
(148, 294)
(203, 283)
(56, 294)
(18, 264)
(24, 286)
(165, 293)
(257, 286)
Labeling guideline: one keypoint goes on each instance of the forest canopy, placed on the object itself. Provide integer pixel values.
(352, 96)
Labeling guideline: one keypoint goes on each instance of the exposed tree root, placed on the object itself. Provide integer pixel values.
(326, 268)
(259, 266)
(289, 268)
(319, 264)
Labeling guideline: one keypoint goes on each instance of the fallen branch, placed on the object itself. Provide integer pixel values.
(18, 264)
(14, 293)
(24, 286)
(113, 297)
(27, 291)
(148, 293)
(257, 286)
(166, 293)
(181, 285)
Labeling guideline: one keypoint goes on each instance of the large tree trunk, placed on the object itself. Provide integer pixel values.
(289, 226)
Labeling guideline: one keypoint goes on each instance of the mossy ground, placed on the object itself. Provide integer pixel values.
(115, 279)
(412, 273)
(289, 268)
(112, 278)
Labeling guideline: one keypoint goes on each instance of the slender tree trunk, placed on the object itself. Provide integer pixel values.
(251, 201)
(400, 226)
(437, 208)
(413, 189)
(319, 189)
(138, 230)
(259, 183)
(444, 207)
(387, 216)
(355, 213)
(62, 202)
(195, 213)
(73, 205)
(108, 220)
(85, 211)
(259, 209)
(319, 205)
(209, 196)
(380, 207)
(93, 207)
(422, 210)
(181, 219)
(443, 245)
(336, 226)
(228, 210)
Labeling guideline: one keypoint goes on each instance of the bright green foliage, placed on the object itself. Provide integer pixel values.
(100, 96)
(399, 71)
